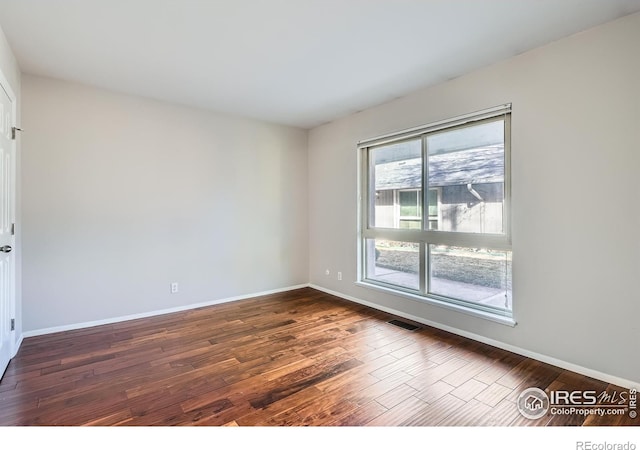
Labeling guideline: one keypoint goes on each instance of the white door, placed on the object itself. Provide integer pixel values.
(7, 238)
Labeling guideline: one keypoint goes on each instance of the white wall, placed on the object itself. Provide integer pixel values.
(575, 126)
(123, 196)
(11, 71)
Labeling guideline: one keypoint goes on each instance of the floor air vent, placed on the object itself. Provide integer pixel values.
(405, 325)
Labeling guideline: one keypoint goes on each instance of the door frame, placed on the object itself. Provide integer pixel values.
(4, 82)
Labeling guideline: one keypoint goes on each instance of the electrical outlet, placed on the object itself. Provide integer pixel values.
(326, 272)
(174, 288)
(339, 276)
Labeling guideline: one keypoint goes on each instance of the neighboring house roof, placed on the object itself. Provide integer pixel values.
(476, 165)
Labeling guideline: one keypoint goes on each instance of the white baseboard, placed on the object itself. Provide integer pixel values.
(612, 379)
(76, 326)
(16, 346)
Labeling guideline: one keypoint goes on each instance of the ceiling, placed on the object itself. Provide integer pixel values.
(295, 62)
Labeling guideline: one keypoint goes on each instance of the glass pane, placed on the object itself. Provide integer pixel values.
(395, 183)
(409, 206)
(475, 275)
(393, 262)
(466, 165)
(410, 224)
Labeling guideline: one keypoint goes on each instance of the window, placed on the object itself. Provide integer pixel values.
(456, 250)
(432, 201)
(410, 209)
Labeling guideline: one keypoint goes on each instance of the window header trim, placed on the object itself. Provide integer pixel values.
(435, 126)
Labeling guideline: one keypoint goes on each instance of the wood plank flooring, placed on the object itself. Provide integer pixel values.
(297, 358)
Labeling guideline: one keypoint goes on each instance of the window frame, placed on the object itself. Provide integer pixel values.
(424, 236)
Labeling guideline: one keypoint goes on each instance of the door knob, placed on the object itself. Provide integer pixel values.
(5, 249)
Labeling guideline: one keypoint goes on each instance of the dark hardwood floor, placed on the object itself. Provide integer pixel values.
(297, 358)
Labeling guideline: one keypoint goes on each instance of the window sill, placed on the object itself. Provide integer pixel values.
(503, 320)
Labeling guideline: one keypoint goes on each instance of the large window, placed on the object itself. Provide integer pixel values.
(456, 249)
